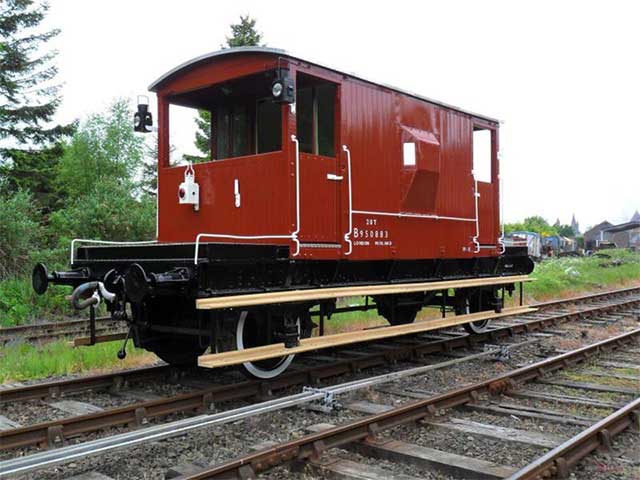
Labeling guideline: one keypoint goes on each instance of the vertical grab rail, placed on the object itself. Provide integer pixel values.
(294, 234)
(476, 195)
(347, 236)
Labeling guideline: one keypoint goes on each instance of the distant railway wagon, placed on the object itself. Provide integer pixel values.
(318, 182)
(557, 245)
(532, 240)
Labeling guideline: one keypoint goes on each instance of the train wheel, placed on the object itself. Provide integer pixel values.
(472, 303)
(252, 330)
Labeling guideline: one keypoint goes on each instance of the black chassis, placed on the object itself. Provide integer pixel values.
(161, 282)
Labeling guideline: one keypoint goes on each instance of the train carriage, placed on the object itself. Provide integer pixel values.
(316, 179)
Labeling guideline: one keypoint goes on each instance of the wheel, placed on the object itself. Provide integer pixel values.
(395, 314)
(254, 330)
(472, 302)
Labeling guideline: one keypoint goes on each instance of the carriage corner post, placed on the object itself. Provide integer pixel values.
(319, 184)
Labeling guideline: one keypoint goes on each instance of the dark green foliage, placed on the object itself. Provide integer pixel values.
(243, 34)
(19, 233)
(102, 174)
(539, 225)
(104, 147)
(107, 212)
(565, 231)
(29, 147)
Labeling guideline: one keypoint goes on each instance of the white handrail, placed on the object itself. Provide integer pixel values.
(348, 234)
(294, 235)
(104, 242)
(476, 195)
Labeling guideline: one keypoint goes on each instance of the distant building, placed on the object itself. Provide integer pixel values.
(636, 217)
(575, 226)
(594, 234)
(624, 235)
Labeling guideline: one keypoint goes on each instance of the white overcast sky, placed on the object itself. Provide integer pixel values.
(564, 76)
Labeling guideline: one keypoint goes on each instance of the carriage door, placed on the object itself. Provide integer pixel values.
(320, 179)
(485, 167)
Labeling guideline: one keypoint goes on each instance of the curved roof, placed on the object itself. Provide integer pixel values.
(277, 51)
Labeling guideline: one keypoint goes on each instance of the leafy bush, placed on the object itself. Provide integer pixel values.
(107, 212)
(104, 147)
(19, 233)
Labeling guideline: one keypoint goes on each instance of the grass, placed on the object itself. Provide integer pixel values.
(19, 304)
(564, 277)
(27, 361)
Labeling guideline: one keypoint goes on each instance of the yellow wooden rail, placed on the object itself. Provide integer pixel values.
(237, 357)
(288, 296)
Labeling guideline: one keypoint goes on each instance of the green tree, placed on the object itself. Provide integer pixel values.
(243, 34)
(19, 232)
(30, 147)
(532, 224)
(565, 231)
(104, 147)
(101, 173)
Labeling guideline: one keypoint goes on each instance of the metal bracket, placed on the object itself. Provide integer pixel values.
(326, 404)
(501, 353)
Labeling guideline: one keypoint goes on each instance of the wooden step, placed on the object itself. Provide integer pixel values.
(256, 299)
(316, 343)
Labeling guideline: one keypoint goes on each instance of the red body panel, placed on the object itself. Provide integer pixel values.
(398, 212)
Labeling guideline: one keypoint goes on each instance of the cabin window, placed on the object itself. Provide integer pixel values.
(244, 120)
(482, 154)
(315, 115)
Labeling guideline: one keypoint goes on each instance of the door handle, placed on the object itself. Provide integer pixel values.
(334, 177)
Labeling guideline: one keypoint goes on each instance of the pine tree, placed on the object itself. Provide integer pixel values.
(29, 148)
(243, 34)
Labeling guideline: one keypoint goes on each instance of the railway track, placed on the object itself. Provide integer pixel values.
(383, 431)
(50, 331)
(56, 432)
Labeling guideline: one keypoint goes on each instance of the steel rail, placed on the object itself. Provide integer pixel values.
(39, 331)
(588, 297)
(558, 461)
(313, 445)
(51, 433)
(59, 387)
(64, 455)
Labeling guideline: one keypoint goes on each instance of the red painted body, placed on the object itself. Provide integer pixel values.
(394, 207)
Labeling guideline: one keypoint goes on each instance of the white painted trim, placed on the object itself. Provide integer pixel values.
(476, 196)
(348, 234)
(413, 215)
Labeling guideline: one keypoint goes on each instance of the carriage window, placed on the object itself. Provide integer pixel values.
(315, 117)
(244, 119)
(482, 155)
(268, 126)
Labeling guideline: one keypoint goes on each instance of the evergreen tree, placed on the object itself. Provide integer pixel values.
(29, 148)
(243, 34)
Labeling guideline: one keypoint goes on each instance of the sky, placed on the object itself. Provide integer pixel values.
(564, 77)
